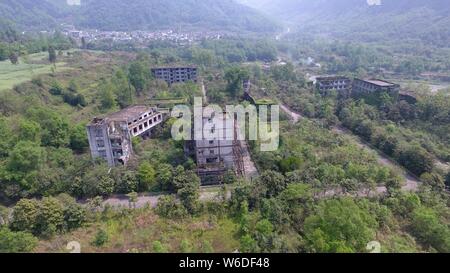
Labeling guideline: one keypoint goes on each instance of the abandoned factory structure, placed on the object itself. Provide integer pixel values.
(375, 85)
(110, 137)
(333, 83)
(217, 148)
(363, 87)
(173, 75)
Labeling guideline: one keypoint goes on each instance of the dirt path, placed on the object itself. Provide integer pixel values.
(205, 98)
(295, 117)
(412, 183)
(249, 166)
(122, 200)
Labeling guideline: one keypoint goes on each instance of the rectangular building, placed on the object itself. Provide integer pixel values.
(333, 83)
(173, 75)
(371, 86)
(218, 150)
(110, 137)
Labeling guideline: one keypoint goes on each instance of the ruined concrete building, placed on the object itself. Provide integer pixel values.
(218, 149)
(365, 87)
(333, 83)
(173, 75)
(110, 137)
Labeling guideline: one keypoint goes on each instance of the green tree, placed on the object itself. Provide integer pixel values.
(430, 230)
(107, 96)
(73, 86)
(185, 246)
(101, 238)
(434, 180)
(247, 243)
(50, 218)
(16, 242)
(52, 54)
(78, 141)
(127, 182)
(14, 58)
(139, 76)
(339, 225)
(24, 215)
(187, 185)
(416, 159)
(235, 78)
(55, 128)
(29, 131)
(290, 164)
(6, 137)
(273, 182)
(83, 43)
(158, 247)
(164, 176)
(97, 181)
(146, 176)
(132, 199)
(26, 157)
(75, 216)
(123, 90)
(447, 180)
(168, 207)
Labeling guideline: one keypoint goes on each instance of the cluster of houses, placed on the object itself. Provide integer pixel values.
(140, 37)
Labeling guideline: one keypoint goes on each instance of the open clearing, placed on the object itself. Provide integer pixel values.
(28, 68)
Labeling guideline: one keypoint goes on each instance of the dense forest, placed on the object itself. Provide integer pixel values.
(136, 15)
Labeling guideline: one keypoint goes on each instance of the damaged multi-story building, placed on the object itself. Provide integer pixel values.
(217, 148)
(333, 83)
(173, 75)
(110, 137)
(370, 86)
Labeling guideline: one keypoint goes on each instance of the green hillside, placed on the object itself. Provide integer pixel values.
(135, 14)
(425, 20)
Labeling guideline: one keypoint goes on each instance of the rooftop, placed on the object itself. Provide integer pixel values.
(125, 114)
(130, 112)
(380, 83)
(332, 78)
(174, 67)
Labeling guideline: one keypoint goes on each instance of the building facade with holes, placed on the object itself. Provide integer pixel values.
(173, 75)
(110, 137)
(216, 148)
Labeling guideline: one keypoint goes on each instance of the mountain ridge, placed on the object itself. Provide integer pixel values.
(135, 15)
(425, 20)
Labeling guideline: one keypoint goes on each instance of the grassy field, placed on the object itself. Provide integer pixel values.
(85, 68)
(28, 68)
(137, 231)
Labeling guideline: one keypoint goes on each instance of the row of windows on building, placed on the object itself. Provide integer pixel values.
(146, 124)
(140, 118)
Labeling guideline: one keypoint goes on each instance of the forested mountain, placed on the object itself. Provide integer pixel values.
(427, 20)
(37, 14)
(135, 14)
